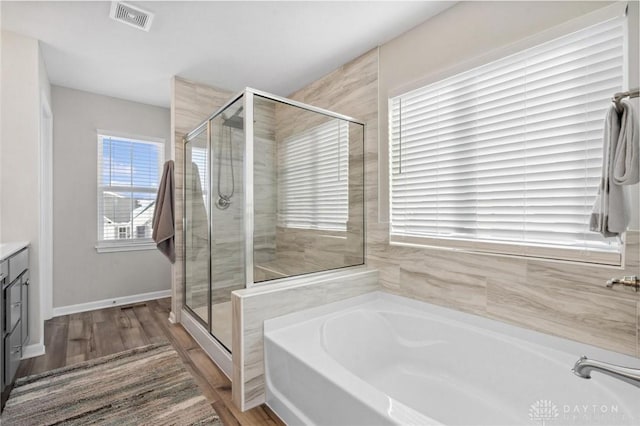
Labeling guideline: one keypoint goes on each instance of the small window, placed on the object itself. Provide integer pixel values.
(129, 172)
(141, 231)
(123, 232)
(507, 157)
(313, 191)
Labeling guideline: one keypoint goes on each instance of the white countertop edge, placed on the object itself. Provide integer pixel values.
(9, 249)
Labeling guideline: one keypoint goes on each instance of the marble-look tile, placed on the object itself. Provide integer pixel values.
(466, 292)
(604, 321)
(264, 302)
(357, 284)
(237, 384)
(580, 278)
(389, 272)
(632, 255)
(300, 251)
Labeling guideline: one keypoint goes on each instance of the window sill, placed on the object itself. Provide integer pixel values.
(505, 249)
(118, 246)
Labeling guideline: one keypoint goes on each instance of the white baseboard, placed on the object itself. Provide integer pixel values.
(33, 350)
(106, 303)
(172, 318)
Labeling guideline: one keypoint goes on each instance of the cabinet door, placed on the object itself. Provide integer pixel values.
(4, 275)
(13, 305)
(13, 353)
(24, 317)
(18, 263)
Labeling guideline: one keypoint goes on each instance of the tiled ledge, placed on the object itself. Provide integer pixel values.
(252, 306)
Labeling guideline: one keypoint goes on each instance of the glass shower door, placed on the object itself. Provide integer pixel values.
(227, 216)
(196, 235)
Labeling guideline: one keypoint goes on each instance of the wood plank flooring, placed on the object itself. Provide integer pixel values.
(78, 337)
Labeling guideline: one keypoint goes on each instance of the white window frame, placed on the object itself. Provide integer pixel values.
(545, 253)
(130, 244)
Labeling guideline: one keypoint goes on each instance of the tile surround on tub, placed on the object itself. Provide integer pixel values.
(252, 306)
(559, 298)
(586, 318)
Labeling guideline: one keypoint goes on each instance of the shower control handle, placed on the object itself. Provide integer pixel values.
(223, 202)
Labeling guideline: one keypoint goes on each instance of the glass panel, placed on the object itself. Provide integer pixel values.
(308, 191)
(196, 236)
(227, 216)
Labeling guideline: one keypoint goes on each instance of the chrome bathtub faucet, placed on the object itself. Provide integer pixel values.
(584, 366)
(627, 281)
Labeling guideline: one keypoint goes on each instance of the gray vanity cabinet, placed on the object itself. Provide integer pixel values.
(15, 316)
(4, 277)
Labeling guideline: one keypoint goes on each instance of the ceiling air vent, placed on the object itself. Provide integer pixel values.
(131, 15)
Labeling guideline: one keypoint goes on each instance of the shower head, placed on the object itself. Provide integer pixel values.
(236, 120)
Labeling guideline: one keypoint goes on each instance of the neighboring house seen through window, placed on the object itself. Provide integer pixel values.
(129, 171)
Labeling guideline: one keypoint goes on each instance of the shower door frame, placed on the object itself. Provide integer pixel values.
(248, 198)
(190, 136)
(193, 134)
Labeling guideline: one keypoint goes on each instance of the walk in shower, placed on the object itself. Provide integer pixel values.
(273, 188)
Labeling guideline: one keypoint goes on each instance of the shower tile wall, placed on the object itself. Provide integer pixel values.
(191, 103)
(227, 226)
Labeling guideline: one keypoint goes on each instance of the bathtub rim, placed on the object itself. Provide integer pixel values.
(467, 319)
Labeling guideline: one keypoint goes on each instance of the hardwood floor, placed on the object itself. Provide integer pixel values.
(78, 337)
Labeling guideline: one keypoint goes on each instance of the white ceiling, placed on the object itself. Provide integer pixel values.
(274, 46)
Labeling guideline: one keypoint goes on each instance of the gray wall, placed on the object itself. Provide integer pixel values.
(80, 274)
(23, 85)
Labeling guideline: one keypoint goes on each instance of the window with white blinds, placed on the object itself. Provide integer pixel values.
(313, 166)
(507, 157)
(129, 173)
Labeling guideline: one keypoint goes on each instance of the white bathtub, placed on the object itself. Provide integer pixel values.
(379, 359)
